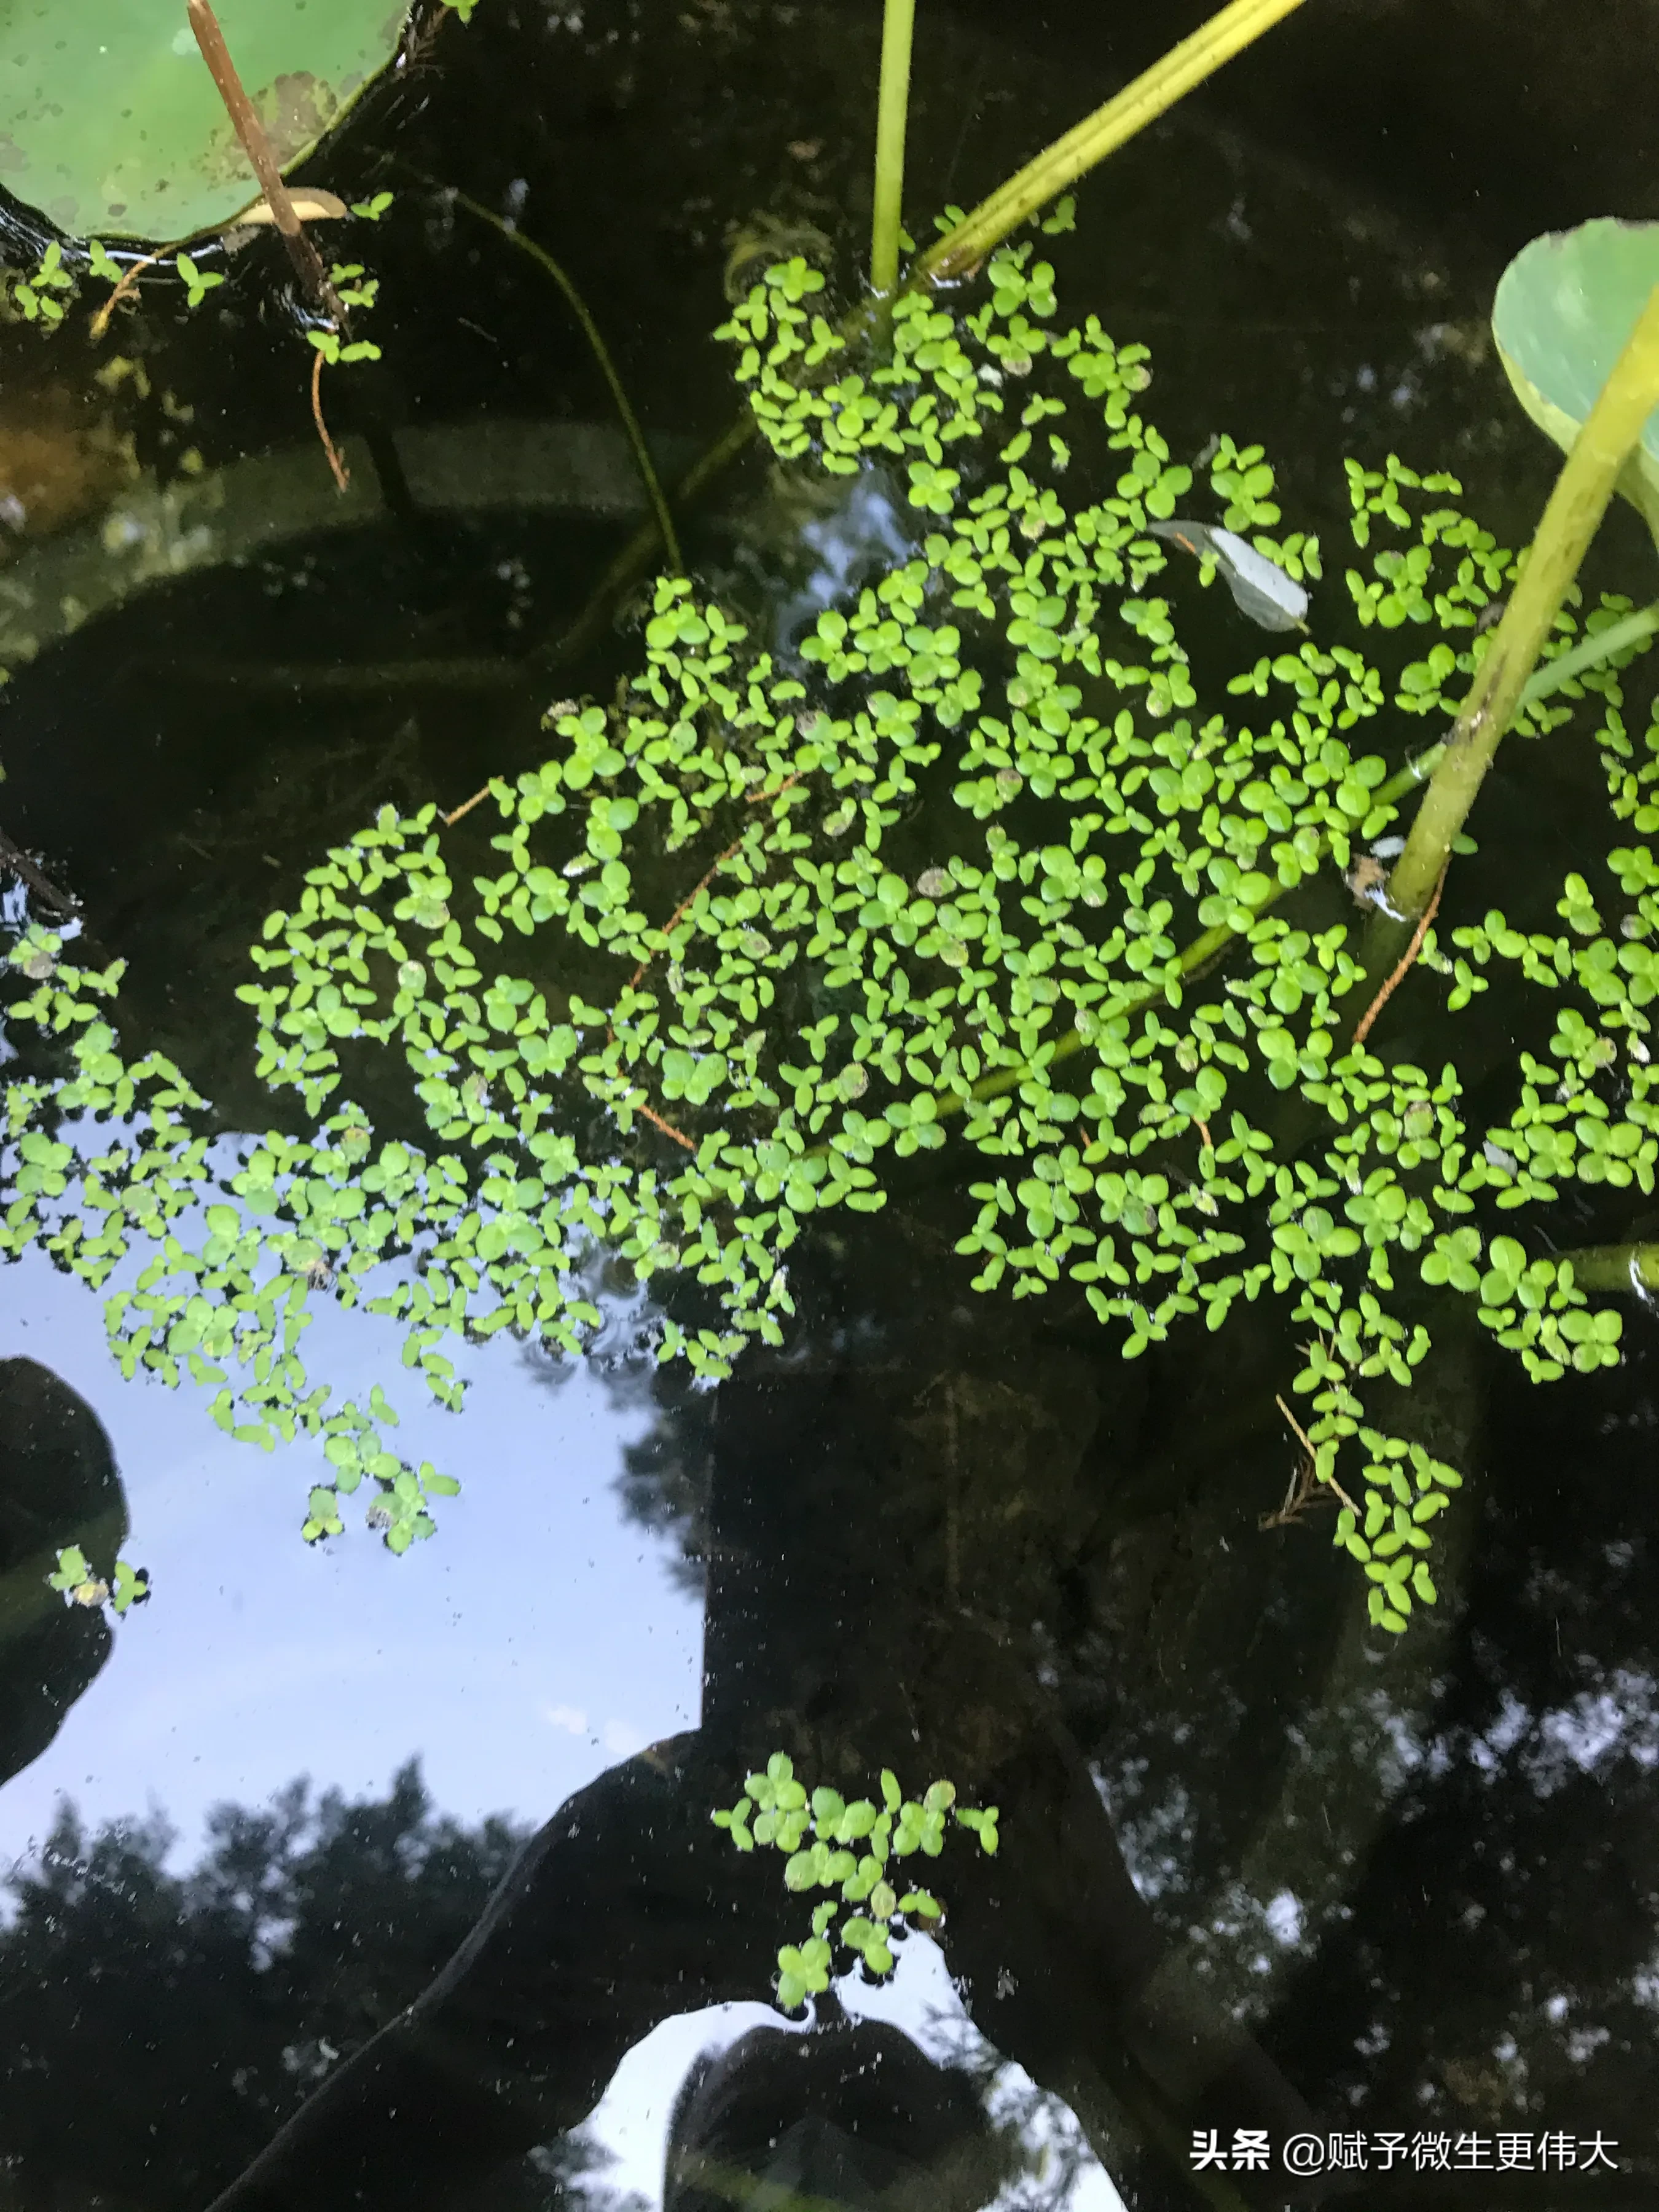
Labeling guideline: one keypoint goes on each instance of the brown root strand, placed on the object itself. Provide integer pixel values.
(1305, 1484)
(341, 474)
(466, 805)
(668, 1128)
(1412, 950)
(125, 291)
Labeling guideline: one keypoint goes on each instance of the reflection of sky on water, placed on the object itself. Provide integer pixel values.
(631, 2123)
(535, 1640)
(864, 529)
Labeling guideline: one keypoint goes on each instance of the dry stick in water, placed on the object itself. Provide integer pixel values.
(255, 145)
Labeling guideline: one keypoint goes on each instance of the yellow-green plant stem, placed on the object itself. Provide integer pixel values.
(898, 23)
(1615, 1266)
(1101, 134)
(1213, 942)
(1152, 95)
(663, 520)
(1586, 483)
(1629, 629)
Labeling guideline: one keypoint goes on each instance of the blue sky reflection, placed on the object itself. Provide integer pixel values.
(533, 1642)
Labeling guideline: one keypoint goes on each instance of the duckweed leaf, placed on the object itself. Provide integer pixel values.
(804, 1969)
(1081, 981)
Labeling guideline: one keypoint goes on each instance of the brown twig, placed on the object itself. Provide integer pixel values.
(1363, 1028)
(690, 899)
(754, 798)
(668, 1128)
(1304, 1483)
(128, 284)
(342, 473)
(244, 120)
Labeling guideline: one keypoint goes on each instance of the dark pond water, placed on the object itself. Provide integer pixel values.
(1262, 1870)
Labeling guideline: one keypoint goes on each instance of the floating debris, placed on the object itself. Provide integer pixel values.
(1260, 588)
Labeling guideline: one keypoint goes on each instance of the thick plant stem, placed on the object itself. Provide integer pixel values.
(1150, 96)
(1586, 483)
(1214, 942)
(1615, 1266)
(898, 20)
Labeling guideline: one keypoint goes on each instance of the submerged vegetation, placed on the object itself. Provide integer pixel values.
(1018, 860)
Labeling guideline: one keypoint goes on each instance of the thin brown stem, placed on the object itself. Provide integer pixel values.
(244, 120)
(639, 976)
(1302, 1482)
(650, 1115)
(127, 287)
(753, 798)
(1363, 1027)
(674, 919)
(342, 473)
(668, 928)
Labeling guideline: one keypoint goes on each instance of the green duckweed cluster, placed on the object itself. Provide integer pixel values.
(77, 1580)
(978, 867)
(828, 1842)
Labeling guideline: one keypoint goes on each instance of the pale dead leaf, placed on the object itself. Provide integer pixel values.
(310, 204)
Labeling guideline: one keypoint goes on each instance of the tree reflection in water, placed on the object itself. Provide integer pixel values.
(1404, 1885)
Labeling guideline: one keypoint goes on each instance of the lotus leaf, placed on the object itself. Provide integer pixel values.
(110, 125)
(1566, 306)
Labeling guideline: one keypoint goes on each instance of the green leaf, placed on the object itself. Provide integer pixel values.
(72, 1568)
(1563, 309)
(120, 132)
